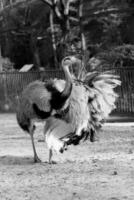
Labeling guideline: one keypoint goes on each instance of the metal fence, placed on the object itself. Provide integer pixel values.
(125, 103)
(11, 85)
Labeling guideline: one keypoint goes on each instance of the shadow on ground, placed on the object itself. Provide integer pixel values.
(121, 117)
(15, 160)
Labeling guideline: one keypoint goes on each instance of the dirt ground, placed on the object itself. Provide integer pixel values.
(103, 170)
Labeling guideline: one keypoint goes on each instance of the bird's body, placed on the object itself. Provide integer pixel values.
(81, 106)
(78, 113)
(27, 101)
(91, 101)
(35, 102)
(39, 100)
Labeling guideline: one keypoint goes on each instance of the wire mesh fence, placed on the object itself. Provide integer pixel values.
(12, 84)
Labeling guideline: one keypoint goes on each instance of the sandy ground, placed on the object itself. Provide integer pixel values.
(103, 170)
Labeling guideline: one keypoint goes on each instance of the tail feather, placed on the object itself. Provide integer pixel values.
(58, 134)
(103, 95)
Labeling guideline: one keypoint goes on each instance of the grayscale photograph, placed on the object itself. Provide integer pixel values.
(66, 100)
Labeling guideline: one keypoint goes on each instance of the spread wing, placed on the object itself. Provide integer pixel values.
(102, 96)
(58, 132)
(37, 93)
(59, 128)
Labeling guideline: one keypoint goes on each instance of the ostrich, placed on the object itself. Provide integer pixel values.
(39, 100)
(91, 101)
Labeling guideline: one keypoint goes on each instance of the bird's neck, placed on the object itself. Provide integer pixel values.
(68, 86)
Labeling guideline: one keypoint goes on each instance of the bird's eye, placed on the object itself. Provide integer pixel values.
(66, 62)
(67, 59)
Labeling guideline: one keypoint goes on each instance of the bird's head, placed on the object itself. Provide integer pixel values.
(67, 63)
(73, 64)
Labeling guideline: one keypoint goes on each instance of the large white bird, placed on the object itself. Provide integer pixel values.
(39, 100)
(91, 101)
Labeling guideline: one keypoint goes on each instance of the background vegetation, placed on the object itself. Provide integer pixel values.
(108, 27)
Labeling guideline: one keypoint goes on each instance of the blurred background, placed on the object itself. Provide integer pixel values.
(36, 34)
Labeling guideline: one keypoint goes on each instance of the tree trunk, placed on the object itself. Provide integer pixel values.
(35, 51)
(83, 40)
(53, 39)
(1, 5)
(1, 63)
(37, 62)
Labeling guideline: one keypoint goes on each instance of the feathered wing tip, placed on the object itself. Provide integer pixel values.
(102, 96)
(58, 133)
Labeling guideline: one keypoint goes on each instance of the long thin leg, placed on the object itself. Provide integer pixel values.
(36, 158)
(50, 156)
(93, 135)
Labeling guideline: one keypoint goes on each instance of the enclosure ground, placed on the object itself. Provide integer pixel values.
(103, 170)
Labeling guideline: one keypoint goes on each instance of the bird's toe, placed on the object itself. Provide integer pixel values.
(37, 160)
(52, 162)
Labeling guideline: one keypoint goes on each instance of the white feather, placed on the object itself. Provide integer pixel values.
(78, 114)
(56, 132)
(97, 87)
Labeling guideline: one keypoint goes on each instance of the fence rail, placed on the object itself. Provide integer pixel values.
(12, 83)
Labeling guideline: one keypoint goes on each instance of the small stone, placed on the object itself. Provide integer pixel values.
(114, 173)
(130, 151)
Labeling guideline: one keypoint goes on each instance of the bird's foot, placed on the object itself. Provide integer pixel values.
(94, 138)
(37, 160)
(52, 162)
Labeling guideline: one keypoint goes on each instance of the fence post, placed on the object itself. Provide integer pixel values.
(6, 105)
